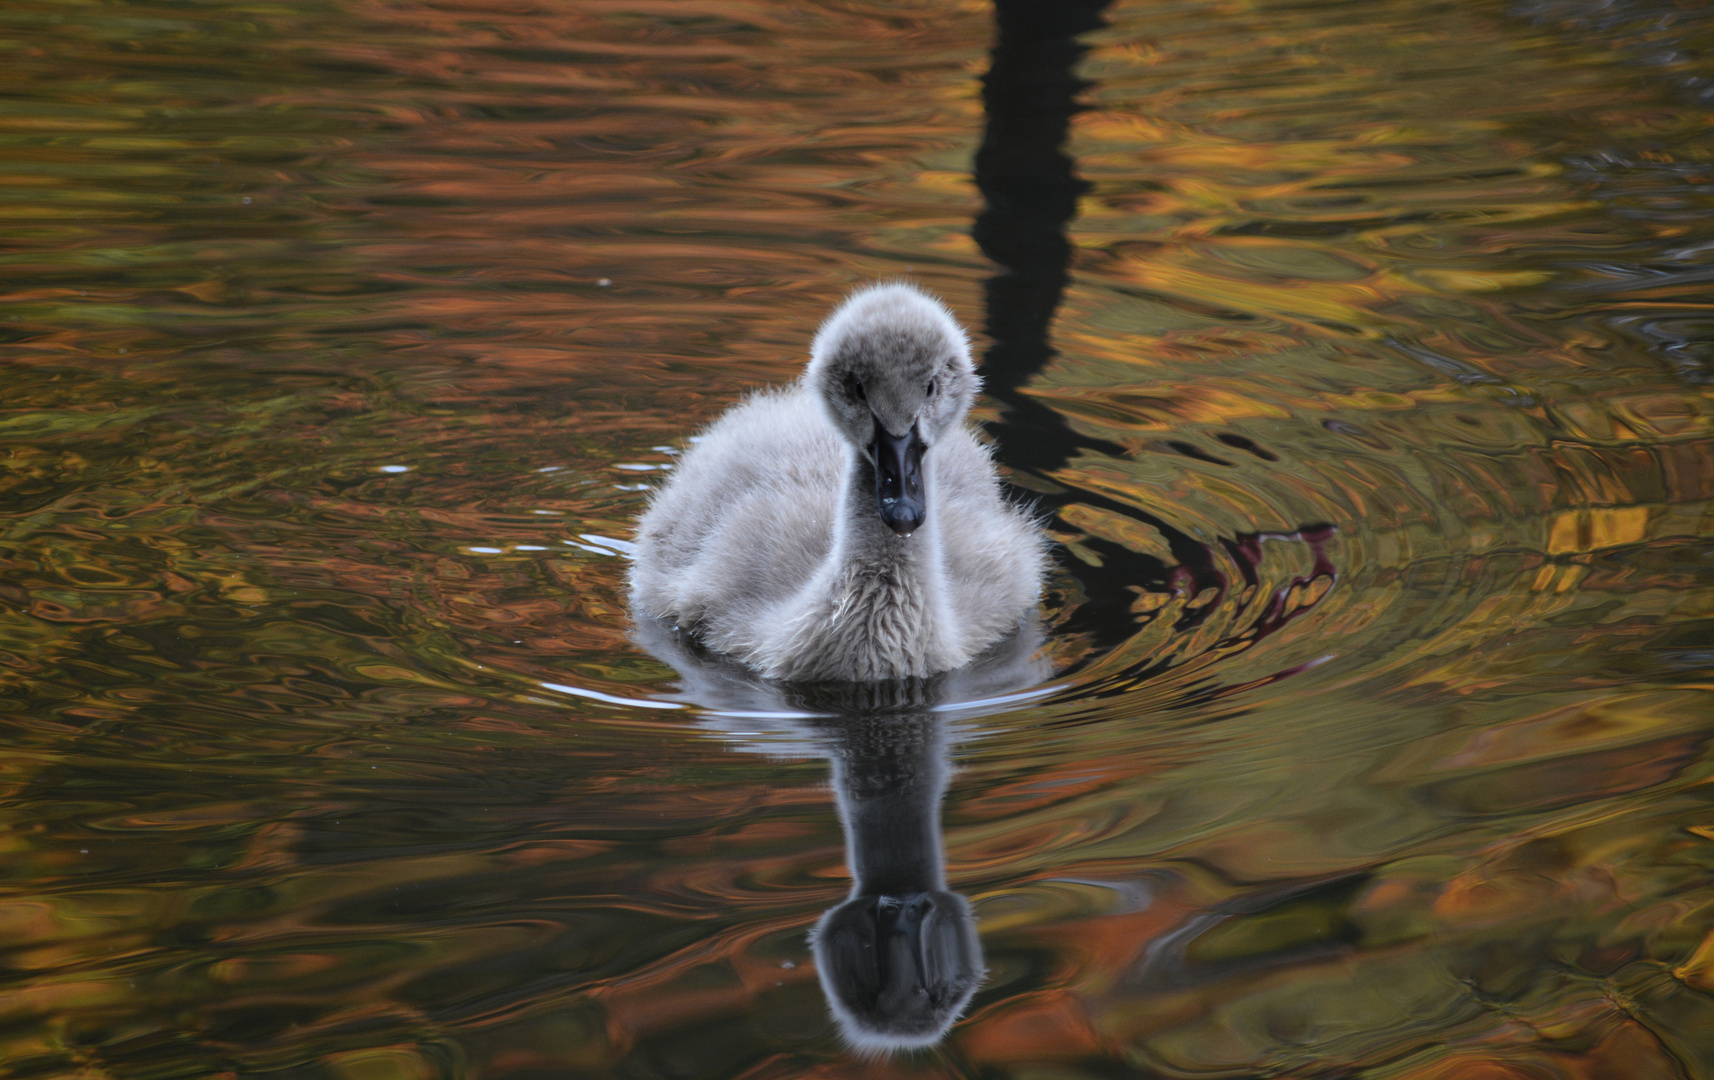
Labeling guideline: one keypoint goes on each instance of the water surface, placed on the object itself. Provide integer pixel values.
(1357, 353)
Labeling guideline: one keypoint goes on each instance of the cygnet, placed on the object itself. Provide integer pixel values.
(849, 526)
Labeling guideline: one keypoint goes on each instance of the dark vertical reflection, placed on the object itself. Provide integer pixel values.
(1030, 191)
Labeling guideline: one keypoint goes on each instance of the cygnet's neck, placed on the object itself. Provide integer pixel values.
(889, 591)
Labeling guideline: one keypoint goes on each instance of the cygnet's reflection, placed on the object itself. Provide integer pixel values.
(898, 960)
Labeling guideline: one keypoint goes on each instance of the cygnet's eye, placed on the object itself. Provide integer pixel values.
(931, 388)
(854, 388)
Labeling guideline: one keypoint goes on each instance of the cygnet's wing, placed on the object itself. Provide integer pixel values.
(746, 517)
(995, 555)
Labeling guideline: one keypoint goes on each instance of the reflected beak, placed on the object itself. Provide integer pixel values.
(901, 917)
(898, 479)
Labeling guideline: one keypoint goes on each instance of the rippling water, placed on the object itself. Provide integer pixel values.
(1358, 353)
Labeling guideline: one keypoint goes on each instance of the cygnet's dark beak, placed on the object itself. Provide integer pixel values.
(898, 479)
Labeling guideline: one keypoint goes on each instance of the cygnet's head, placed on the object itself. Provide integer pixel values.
(898, 970)
(893, 368)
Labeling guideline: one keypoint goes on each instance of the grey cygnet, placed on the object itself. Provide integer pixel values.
(849, 526)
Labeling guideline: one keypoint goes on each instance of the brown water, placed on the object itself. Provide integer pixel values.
(344, 341)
